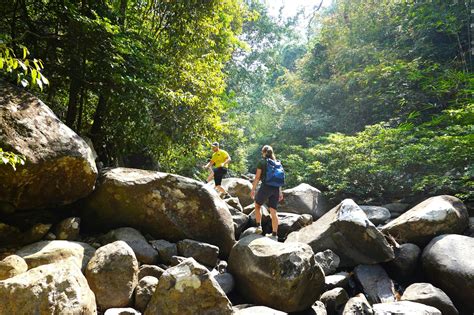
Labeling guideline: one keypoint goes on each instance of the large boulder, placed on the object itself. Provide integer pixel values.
(346, 230)
(290, 222)
(375, 283)
(258, 310)
(448, 264)
(144, 252)
(404, 307)
(241, 221)
(358, 305)
(434, 216)
(47, 252)
(403, 267)
(376, 215)
(282, 276)
(58, 288)
(328, 261)
(239, 188)
(11, 266)
(188, 289)
(112, 274)
(166, 250)
(144, 291)
(428, 294)
(303, 199)
(203, 253)
(164, 205)
(334, 300)
(59, 168)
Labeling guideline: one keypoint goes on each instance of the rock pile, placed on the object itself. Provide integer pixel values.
(156, 243)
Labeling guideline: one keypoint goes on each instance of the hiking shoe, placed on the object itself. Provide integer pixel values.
(273, 237)
(258, 230)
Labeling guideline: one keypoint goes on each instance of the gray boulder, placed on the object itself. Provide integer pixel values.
(188, 289)
(165, 250)
(282, 276)
(144, 291)
(11, 266)
(290, 222)
(144, 252)
(122, 311)
(448, 264)
(334, 300)
(338, 280)
(150, 270)
(396, 207)
(376, 215)
(241, 221)
(226, 281)
(258, 310)
(357, 305)
(406, 260)
(434, 216)
(404, 307)
(328, 261)
(427, 294)
(375, 283)
(57, 288)
(239, 188)
(59, 168)
(303, 199)
(112, 274)
(203, 253)
(346, 230)
(234, 203)
(164, 205)
(47, 252)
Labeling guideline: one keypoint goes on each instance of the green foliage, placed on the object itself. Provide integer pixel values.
(134, 76)
(26, 70)
(384, 163)
(11, 159)
(373, 62)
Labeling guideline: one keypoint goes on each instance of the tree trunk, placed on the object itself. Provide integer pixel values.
(96, 130)
(123, 12)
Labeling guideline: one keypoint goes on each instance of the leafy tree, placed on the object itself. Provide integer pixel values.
(135, 76)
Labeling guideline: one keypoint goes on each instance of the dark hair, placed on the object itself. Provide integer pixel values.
(268, 150)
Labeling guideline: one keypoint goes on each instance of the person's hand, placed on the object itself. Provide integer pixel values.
(280, 198)
(252, 194)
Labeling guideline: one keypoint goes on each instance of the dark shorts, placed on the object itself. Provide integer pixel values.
(270, 193)
(219, 173)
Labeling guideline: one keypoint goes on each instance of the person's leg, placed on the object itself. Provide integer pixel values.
(218, 174)
(260, 198)
(258, 218)
(274, 216)
(272, 204)
(211, 176)
(223, 172)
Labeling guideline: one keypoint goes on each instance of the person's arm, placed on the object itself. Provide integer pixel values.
(227, 160)
(209, 165)
(255, 182)
(280, 197)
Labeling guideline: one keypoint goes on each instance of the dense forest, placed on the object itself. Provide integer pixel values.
(373, 100)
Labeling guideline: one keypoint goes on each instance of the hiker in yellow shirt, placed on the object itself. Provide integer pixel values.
(219, 163)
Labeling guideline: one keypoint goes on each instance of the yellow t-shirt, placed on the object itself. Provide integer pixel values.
(219, 158)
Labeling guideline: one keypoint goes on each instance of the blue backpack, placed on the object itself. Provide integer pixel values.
(275, 175)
